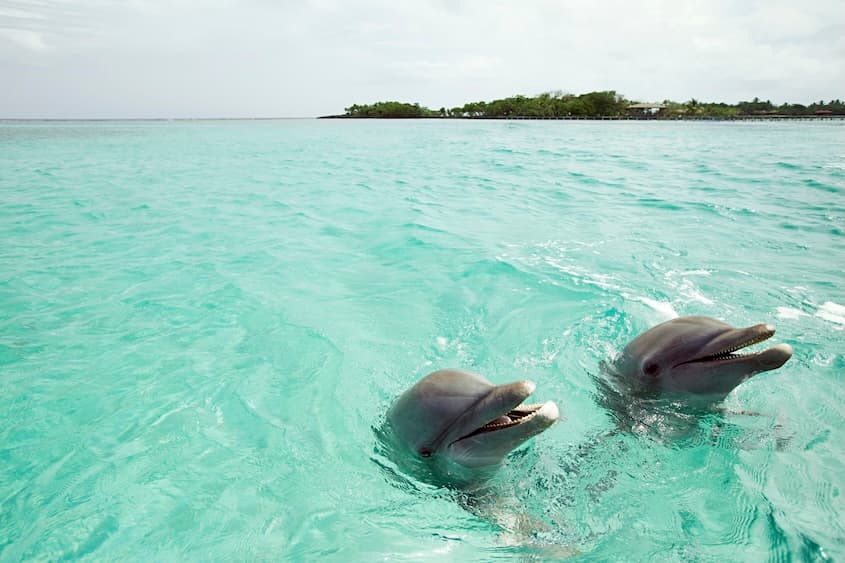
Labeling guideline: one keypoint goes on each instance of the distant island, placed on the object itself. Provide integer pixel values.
(594, 105)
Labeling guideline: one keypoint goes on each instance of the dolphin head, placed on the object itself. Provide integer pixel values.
(462, 417)
(698, 355)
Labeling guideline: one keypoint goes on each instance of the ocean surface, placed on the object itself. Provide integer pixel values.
(202, 324)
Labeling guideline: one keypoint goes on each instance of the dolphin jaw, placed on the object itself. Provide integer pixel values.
(492, 442)
(725, 352)
(498, 402)
(514, 417)
(497, 424)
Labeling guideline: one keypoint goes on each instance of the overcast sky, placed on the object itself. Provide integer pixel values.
(279, 58)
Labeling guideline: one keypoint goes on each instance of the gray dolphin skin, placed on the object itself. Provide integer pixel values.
(456, 417)
(698, 355)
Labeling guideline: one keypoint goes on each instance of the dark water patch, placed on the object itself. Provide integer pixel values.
(582, 178)
(815, 184)
(95, 216)
(635, 164)
(818, 440)
(548, 152)
(424, 228)
(819, 228)
(756, 181)
(707, 207)
(659, 204)
(811, 550)
(709, 188)
(744, 212)
(562, 195)
(335, 231)
(508, 168)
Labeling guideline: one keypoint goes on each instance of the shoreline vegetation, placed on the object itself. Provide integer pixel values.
(595, 105)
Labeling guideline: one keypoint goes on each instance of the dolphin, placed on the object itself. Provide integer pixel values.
(455, 422)
(697, 356)
(453, 429)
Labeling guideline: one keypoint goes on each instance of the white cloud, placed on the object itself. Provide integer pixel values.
(17, 13)
(25, 38)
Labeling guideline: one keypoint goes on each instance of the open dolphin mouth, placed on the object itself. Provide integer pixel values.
(495, 423)
(726, 347)
(520, 414)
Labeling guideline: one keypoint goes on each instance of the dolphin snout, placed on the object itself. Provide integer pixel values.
(549, 412)
(775, 357)
(525, 387)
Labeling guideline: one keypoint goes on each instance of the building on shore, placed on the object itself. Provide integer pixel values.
(645, 110)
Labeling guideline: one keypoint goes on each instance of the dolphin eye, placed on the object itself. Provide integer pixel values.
(425, 452)
(652, 369)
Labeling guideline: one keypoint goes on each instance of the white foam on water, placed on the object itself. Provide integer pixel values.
(832, 312)
(545, 358)
(790, 313)
(583, 275)
(665, 308)
(694, 294)
(689, 290)
(686, 287)
(688, 273)
(823, 360)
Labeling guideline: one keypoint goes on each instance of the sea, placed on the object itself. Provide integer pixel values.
(203, 323)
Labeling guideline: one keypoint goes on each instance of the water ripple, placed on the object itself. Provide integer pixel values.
(202, 323)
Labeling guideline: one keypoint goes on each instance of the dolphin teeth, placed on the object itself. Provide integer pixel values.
(728, 353)
(517, 415)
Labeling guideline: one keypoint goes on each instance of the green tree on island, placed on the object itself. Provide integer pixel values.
(593, 105)
(390, 110)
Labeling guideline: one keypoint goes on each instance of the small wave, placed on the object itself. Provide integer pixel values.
(688, 273)
(832, 312)
(836, 166)
(583, 275)
(659, 204)
(790, 313)
(686, 288)
(665, 308)
(422, 227)
(821, 186)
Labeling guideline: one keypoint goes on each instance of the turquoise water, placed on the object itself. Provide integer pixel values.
(201, 324)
